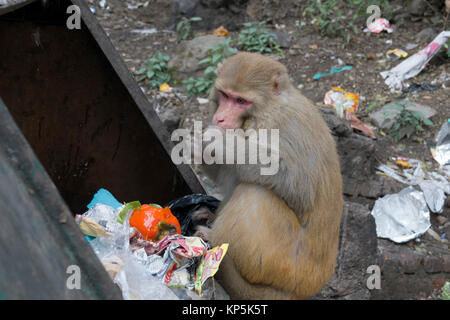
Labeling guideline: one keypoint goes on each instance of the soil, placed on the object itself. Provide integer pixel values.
(309, 53)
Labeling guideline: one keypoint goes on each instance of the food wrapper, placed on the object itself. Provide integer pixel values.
(402, 216)
(165, 88)
(178, 253)
(90, 227)
(441, 153)
(433, 184)
(341, 100)
(220, 32)
(379, 25)
(414, 64)
(397, 53)
(209, 265)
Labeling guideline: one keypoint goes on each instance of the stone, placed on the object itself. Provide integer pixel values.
(427, 33)
(417, 7)
(171, 119)
(214, 4)
(357, 251)
(186, 7)
(378, 117)
(185, 59)
(283, 39)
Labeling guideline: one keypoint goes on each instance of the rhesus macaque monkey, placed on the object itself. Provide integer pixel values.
(282, 229)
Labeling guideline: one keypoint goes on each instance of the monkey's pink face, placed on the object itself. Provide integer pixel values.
(232, 107)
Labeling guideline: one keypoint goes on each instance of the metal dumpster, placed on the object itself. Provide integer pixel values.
(72, 120)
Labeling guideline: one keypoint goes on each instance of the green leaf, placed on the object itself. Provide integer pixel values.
(371, 106)
(135, 205)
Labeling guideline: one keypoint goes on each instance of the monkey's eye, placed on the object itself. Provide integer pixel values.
(241, 101)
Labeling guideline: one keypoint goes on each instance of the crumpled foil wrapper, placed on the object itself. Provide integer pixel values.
(434, 195)
(402, 216)
(442, 151)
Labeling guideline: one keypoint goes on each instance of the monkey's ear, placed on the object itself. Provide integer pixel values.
(276, 82)
(219, 67)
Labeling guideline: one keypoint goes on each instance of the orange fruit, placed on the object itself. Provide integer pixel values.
(154, 223)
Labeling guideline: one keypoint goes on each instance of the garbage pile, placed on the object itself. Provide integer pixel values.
(406, 215)
(144, 251)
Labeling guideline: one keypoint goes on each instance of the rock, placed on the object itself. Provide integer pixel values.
(357, 251)
(417, 7)
(188, 54)
(427, 33)
(171, 119)
(435, 20)
(442, 219)
(339, 127)
(378, 117)
(186, 7)
(401, 19)
(283, 39)
(409, 273)
(358, 156)
(214, 4)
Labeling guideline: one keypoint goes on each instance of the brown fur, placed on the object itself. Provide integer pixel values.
(282, 229)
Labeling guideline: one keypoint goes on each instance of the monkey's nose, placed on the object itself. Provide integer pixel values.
(216, 120)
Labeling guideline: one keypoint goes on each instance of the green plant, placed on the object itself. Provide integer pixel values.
(255, 38)
(155, 70)
(406, 122)
(184, 28)
(446, 291)
(342, 19)
(214, 55)
(447, 48)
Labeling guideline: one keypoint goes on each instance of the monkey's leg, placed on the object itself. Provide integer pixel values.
(241, 289)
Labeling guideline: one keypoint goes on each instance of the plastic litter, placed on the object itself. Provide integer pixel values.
(402, 216)
(396, 54)
(433, 184)
(103, 196)
(420, 87)
(165, 269)
(209, 265)
(341, 100)
(333, 70)
(414, 64)
(220, 32)
(346, 104)
(379, 25)
(441, 153)
(184, 207)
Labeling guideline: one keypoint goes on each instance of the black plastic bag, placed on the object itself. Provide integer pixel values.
(183, 208)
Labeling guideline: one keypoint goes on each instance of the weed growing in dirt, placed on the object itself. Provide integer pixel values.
(255, 38)
(214, 56)
(406, 122)
(184, 28)
(155, 70)
(337, 18)
(447, 48)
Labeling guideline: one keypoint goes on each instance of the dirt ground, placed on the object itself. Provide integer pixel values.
(308, 53)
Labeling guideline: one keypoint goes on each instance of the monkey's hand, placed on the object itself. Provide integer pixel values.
(203, 232)
(211, 170)
(203, 214)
